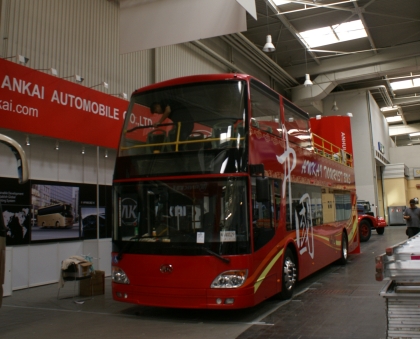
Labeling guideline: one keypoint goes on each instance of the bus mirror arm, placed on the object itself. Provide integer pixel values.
(256, 170)
(262, 182)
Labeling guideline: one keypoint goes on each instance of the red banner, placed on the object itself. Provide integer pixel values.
(38, 103)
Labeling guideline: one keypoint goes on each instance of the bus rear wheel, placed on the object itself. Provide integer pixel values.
(344, 250)
(289, 273)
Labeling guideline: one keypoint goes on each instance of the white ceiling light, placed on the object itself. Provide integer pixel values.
(334, 107)
(308, 81)
(269, 47)
(414, 134)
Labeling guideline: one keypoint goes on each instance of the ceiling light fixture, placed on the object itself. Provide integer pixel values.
(57, 145)
(334, 107)
(106, 153)
(308, 81)
(268, 47)
(83, 150)
(28, 142)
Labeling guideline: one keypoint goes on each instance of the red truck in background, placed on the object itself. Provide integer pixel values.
(367, 221)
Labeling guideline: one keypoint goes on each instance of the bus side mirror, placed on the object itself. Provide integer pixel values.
(262, 189)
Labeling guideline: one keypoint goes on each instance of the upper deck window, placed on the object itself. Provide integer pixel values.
(265, 105)
(205, 115)
(297, 126)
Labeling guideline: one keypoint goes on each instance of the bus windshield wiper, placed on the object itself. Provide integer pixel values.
(225, 260)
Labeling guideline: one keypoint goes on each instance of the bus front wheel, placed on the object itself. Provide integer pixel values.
(380, 230)
(364, 230)
(289, 273)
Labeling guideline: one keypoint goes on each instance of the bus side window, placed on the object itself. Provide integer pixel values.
(263, 219)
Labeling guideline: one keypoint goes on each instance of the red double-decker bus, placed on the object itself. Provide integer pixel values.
(230, 200)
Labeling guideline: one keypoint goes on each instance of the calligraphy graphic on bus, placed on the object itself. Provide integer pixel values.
(227, 195)
(58, 215)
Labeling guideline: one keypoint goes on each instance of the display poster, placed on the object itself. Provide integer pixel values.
(55, 211)
(43, 211)
(17, 219)
(89, 218)
(38, 103)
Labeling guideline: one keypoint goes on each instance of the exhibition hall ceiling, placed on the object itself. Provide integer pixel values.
(348, 45)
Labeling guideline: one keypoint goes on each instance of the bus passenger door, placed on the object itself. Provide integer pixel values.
(262, 215)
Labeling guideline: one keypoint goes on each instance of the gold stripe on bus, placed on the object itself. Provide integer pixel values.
(267, 269)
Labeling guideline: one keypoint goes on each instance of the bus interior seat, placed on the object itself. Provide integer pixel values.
(266, 128)
(220, 128)
(195, 146)
(157, 136)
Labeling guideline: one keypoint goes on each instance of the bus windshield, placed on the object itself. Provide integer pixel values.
(59, 215)
(204, 125)
(188, 217)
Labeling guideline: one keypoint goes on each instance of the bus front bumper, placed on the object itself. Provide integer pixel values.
(184, 298)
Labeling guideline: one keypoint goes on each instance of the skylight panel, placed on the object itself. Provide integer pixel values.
(281, 2)
(394, 118)
(396, 85)
(332, 34)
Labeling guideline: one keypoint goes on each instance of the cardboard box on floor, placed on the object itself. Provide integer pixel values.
(93, 286)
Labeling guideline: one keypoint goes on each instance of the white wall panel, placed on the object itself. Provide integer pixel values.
(20, 267)
(44, 165)
(70, 162)
(7, 286)
(182, 60)
(75, 37)
(42, 271)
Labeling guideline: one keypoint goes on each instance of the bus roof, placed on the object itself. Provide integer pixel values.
(193, 79)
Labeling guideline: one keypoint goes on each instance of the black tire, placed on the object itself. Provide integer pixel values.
(57, 224)
(344, 250)
(289, 275)
(364, 230)
(380, 230)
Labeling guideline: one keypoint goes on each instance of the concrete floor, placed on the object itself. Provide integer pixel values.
(337, 302)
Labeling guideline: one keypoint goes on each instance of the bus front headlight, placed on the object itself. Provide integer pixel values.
(118, 276)
(230, 279)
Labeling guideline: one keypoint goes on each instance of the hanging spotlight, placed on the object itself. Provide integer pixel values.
(106, 153)
(83, 150)
(28, 142)
(308, 81)
(52, 70)
(57, 145)
(334, 107)
(105, 84)
(20, 59)
(76, 76)
(122, 95)
(269, 47)
(318, 117)
(350, 114)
